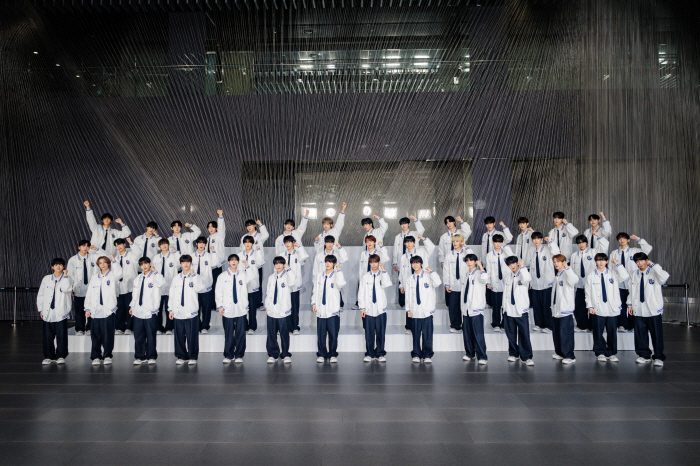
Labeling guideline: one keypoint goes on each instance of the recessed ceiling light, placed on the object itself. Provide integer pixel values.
(308, 31)
(423, 63)
(36, 53)
(422, 56)
(393, 64)
(77, 75)
(57, 64)
(392, 57)
(306, 67)
(365, 65)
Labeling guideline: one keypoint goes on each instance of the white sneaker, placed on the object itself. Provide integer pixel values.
(579, 330)
(416, 360)
(262, 308)
(151, 362)
(295, 332)
(466, 358)
(497, 329)
(79, 333)
(138, 362)
(227, 360)
(334, 360)
(483, 362)
(46, 362)
(512, 359)
(251, 332)
(204, 331)
(60, 361)
(108, 361)
(602, 358)
(381, 359)
(159, 332)
(546, 330)
(658, 363)
(168, 332)
(428, 361)
(529, 362)
(621, 329)
(320, 360)
(238, 360)
(557, 357)
(408, 332)
(568, 361)
(641, 360)
(588, 330)
(118, 332)
(613, 358)
(367, 359)
(87, 332)
(355, 307)
(180, 362)
(128, 332)
(454, 330)
(536, 328)
(192, 362)
(96, 362)
(288, 360)
(271, 360)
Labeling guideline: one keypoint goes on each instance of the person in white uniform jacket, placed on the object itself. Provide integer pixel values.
(290, 229)
(646, 302)
(563, 304)
(296, 256)
(325, 303)
(146, 245)
(623, 255)
(406, 271)
(232, 304)
(103, 234)
(183, 307)
(167, 263)
(330, 248)
(542, 272)
(497, 270)
(278, 308)
(420, 307)
(583, 264)
(487, 238)
(372, 300)
(604, 305)
(378, 233)
(515, 311)
(562, 234)
(473, 303)
(523, 244)
(80, 268)
(129, 263)
(203, 264)
(399, 246)
(101, 305)
(254, 258)
(216, 244)
(183, 242)
(331, 229)
(372, 246)
(259, 233)
(445, 244)
(145, 301)
(601, 226)
(452, 271)
(53, 302)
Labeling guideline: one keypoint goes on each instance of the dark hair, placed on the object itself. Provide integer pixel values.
(290, 221)
(119, 241)
(559, 214)
(523, 220)
(249, 222)
(416, 259)
(409, 239)
(581, 239)
(367, 221)
(83, 242)
(640, 256)
(593, 217)
(107, 215)
(601, 256)
(248, 239)
(288, 239)
(489, 219)
(200, 240)
(470, 257)
(153, 225)
(331, 258)
(622, 234)
(213, 224)
(144, 260)
(175, 222)
(278, 260)
(403, 220)
(374, 258)
(536, 235)
(185, 258)
(370, 238)
(511, 260)
(232, 256)
(329, 239)
(449, 218)
(163, 241)
(497, 238)
(58, 261)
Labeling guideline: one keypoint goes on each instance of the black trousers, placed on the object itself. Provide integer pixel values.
(327, 327)
(643, 327)
(145, 337)
(518, 333)
(454, 310)
(496, 314)
(102, 336)
(375, 333)
(625, 320)
(163, 315)
(606, 347)
(473, 335)
(402, 303)
(563, 336)
(580, 312)
(204, 309)
(81, 322)
(422, 328)
(260, 280)
(234, 337)
(123, 318)
(273, 327)
(294, 316)
(253, 305)
(58, 332)
(187, 338)
(541, 301)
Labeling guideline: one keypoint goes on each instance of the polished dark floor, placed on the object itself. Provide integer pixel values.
(350, 413)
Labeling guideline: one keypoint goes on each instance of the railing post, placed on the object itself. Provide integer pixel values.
(687, 306)
(14, 312)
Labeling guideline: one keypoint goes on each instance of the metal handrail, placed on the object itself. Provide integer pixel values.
(687, 304)
(15, 289)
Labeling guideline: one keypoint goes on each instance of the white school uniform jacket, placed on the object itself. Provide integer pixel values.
(320, 258)
(449, 271)
(185, 240)
(297, 233)
(563, 294)
(398, 241)
(98, 234)
(653, 277)
(492, 260)
(150, 303)
(377, 232)
(333, 283)
(594, 291)
(184, 295)
(474, 302)
(547, 271)
(202, 264)
(334, 232)
(77, 266)
(218, 240)
(524, 244)
(57, 290)
(515, 289)
(106, 286)
(224, 291)
(284, 282)
(604, 230)
(563, 237)
(168, 267)
(587, 257)
(364, 258)
(296, 259)
(445, 244)
(427, 282)
(631, 267)
(487, 240)
(405, 269)
(370, 281)
(129, 264)
(150, 244)
(255, 260)
(260, 236)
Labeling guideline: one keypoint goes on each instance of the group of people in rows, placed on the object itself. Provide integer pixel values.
(153, 285)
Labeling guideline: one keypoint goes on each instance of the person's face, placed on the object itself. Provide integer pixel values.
(103, 265)
(250, 228)
(289, 245)
(490, 226)
(457, 244)
(288, 227)
(583, 246)
(176, 228)
(558, 221)
(623, 242)
(150, 231)
(559, 265)
(106, 222)
(523, 226)
(327, 226)
(164, 248)
(370, 245)
(374, 266)
(200, 247)
(497, 245)
(58, 268)
(514, 267)
(594, 222)
(367, 226)
(211, 229)
(537, 242)
(329, 266)
(121, 248)
(248, 246)
(145, 267)
(410, 245)
(279, 268)
(83, 249)
(185, 267)
(416, 266)
(642, 264)
(405, 226)
(450, 225)
(471, 264)
(233, 263)
(601, 264)
(329, 246)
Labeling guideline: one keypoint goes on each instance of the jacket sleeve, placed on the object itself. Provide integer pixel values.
(196, 231)
(507, 235)
(219, 291)
(339, 224)
(466, 230)
(589, 292)
(526, 277)
(483, 277)
(430, 247)
(303, 255)
(383, 255)
(570, 277)
(342, 255)
(264, 235)
(571, 230)
(607, 229)
(644, 246)
(171, 292)
(441, 251)
(601, 244)
(125, 232)
(621, 273)
(395, 253)
(385, 279)
(279, 245)
(250, 275)
(435, 278)
(314, 292)
(291, 277)
(420, 229)
(199, 285)
(340, 280)
(660, 274)
(92, 223)
(554, 249)
(134, 294)
(158, 280)
(259, 257)
(301, 229)
(361, 293)
(40, 295)
(221, 228)
(383, 227)
(446, 269)
(116, 270)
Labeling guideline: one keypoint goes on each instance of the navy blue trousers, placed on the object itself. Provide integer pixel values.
(327, 327)
(625, 320)
(294, 317)
(541, 301)
(254, 300)
(81, 323)
(518, 333)
(163, 315)
(563, 336)
(123, 318)
(643, 327)
(496, 303)
(583, 320)
(145, 338)
(187, 338)
(280, 326)
(102, 336)
(375, 333)
(473, 334)
(58, 332)
(454, 310)
(234, 337)
(422, 329)
(605, 346)
(204, 309)
(402, 303)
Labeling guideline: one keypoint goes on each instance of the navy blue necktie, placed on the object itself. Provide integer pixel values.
(85, 277)
(537, 264)
(53, 300)
(641, 289)
(623, 258)
(106, 234)
(177, 244)
(457, 269)
(368, 267)
(500, 274)
(274, 298)
(409, 264)
(556, 285)
(488, 243)
(145, 246)
(605, 293)
(182, 299)
(162, 268)
(418, 290)
(512, 292)
(141, 292)
(583, 271)
(374, 289)
(209, 244)
(235, 292)
(101, 293)
(199, 262)
(466, 289)
(558, 243)
(323, 300)
(121, 264)
(404, 244)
